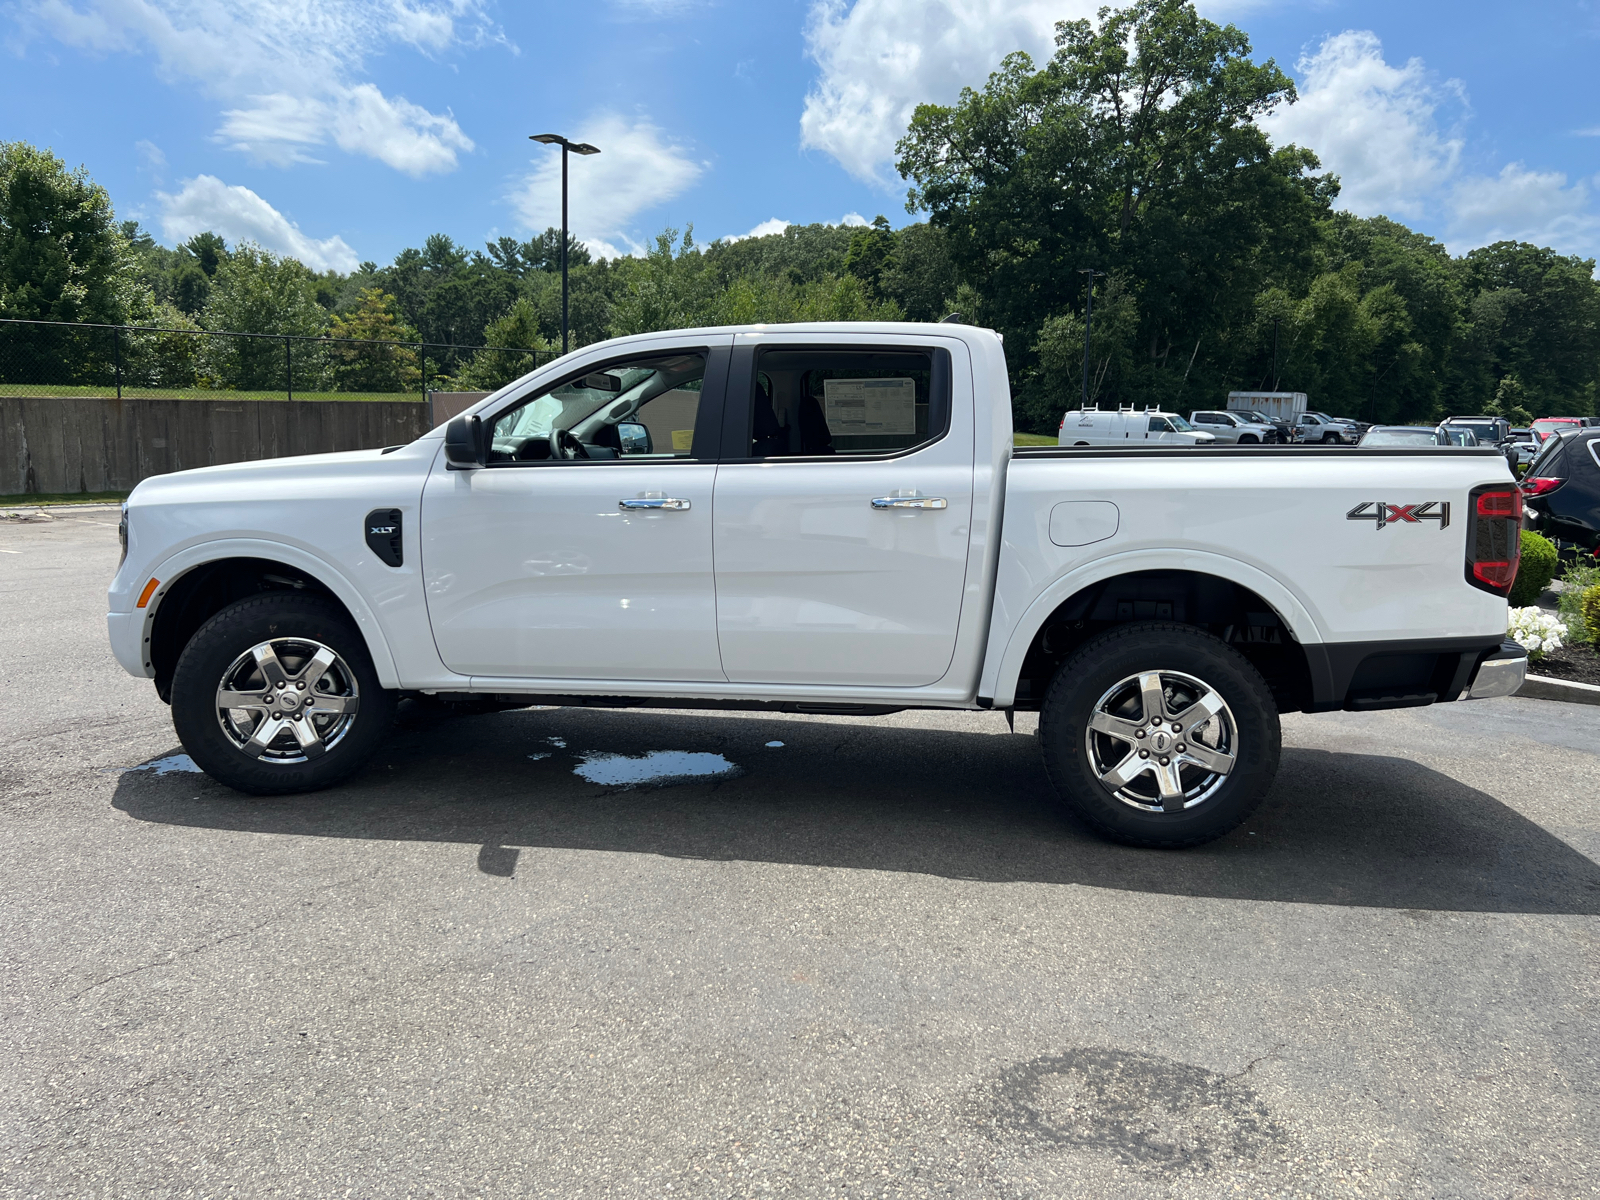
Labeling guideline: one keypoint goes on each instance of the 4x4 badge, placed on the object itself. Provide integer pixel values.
(1382, 514)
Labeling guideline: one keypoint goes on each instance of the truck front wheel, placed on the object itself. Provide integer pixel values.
(1158, 734)
(278, 694)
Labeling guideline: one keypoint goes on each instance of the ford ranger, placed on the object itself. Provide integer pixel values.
(821, 518)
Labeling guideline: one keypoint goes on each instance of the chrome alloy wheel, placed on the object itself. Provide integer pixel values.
(287, 700)
(1162, 741)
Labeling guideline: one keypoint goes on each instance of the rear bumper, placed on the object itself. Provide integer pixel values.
(1501, 674)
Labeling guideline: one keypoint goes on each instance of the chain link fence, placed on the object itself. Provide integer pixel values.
(43, 359)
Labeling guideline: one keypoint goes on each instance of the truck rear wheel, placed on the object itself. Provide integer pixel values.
(1158, 734)
(278, 694)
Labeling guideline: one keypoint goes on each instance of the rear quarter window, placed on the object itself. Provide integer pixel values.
(1549, 459)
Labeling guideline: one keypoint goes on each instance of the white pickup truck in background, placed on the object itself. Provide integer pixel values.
(822, 519)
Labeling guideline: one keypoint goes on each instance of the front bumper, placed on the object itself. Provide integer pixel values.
(127, 632)
(1501, 674)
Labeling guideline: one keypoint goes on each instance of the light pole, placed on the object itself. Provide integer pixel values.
(1088, 326)
(555, 139)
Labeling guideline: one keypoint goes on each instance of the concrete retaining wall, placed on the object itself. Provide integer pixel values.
(93, 444)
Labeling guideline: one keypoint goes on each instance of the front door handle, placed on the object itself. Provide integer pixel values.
(666, 502)
(910, 502)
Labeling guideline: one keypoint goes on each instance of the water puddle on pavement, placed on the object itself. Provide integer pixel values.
(654, 767)
(171, 764)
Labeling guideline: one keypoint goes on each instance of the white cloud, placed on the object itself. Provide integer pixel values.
(1373, 124)
(1524, 206)
(766, 229)
(239, 215)
(853, 218)
(638, 167)
(1378, 127)
(288, 70)
(879, 59)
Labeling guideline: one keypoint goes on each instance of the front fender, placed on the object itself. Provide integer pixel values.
(169, 570)
(1007, 648)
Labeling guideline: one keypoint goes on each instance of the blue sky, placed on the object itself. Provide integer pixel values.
(341, 131)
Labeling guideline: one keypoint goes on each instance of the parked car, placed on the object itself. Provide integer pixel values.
(817, 518)
(1460, 435)
(1319, 427)
(1233, 427)
(1562, 488)
(1420, 436)
(1095, 427)
(1522, 448)
(1490, 431)
(1545, 426)
(1282, 426)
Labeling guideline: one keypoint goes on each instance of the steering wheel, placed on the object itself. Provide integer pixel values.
(566, 445)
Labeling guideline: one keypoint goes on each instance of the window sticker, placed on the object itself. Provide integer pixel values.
(682, 441)
(870, 405)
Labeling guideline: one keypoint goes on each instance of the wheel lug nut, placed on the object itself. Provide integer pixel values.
(1144, 754)
(1139, 734)
(302, 686)
(1165, 760)
(1180, 747)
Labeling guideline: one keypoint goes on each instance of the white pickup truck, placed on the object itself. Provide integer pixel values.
(819, 518)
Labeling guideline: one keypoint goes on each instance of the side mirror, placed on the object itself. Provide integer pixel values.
(633, 438)
(463, 443)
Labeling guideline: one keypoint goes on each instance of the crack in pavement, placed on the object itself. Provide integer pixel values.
(177, 956)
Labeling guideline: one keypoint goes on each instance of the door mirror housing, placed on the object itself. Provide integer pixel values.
(633, 438)
(463, 443)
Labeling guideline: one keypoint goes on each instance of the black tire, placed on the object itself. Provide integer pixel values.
(1331, 437)
(1248, 439)
(1220, 800)
(287, 620)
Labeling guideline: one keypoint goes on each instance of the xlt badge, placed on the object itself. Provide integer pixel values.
(1381, 513)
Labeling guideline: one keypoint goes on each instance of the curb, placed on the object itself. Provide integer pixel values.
(1542, 687)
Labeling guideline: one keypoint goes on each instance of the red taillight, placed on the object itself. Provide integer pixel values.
(1541, 486)
(1498, 576)
(1494, 538)
(1503, 505)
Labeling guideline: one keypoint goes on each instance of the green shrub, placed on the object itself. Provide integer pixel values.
(1591, 613)
(1538, 568)
(1576, 580)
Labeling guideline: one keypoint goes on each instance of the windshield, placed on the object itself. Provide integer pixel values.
(1484, 432)
(1179, 423)
(1400, 437)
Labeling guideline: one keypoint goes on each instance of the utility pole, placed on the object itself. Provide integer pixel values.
(555, 139)
(1088, 327)
(1275, 353)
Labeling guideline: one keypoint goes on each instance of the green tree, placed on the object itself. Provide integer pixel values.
(62, 255)
(870, 254)
(1534, 314)
(519, 348)
(920, 277)
(1136, 150)
(258, 292)
(372, 360)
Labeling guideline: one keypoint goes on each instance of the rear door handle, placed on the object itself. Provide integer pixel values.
(667, 502)
(910, 502)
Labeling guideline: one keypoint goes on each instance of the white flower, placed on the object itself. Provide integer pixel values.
(1535, 630)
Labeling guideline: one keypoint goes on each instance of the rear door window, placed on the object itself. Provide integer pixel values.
(809, 403)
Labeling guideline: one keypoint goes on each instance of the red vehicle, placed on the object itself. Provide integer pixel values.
(1545, 426)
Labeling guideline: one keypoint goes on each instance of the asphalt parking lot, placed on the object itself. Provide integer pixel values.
(874, 960)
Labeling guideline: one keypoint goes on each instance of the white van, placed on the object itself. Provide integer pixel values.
(1127, 427)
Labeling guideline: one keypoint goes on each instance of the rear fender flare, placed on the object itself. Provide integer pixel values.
(1003, 663)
